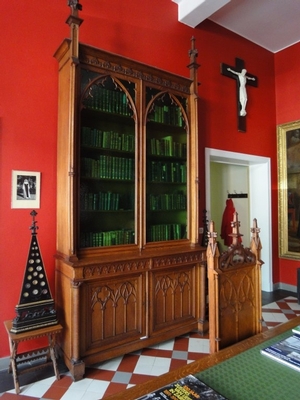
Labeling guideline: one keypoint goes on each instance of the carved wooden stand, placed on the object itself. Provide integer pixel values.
(37, 354)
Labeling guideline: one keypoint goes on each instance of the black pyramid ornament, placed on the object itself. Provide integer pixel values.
(36, 306)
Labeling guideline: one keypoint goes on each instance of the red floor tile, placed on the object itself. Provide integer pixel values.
(101, 374)
(283, 305)
(157, 353)
(128, 363)
(12, 396)
(137, 378)
(177, 364)
(181, 344)
(195, 356)
(55, 392)
(114, 388)
(64, 381)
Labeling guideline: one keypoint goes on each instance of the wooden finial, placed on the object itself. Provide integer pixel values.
(235, 224)
(33, 226)
(74, 22)
(212, 242)
(255, 234)
(212, 234)
(193, 54)
(74, 4)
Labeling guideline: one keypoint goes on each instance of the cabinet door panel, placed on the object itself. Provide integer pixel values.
(173, 297)
(114, 310)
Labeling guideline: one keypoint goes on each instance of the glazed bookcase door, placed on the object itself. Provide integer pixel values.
(166, 166)
(107, 161)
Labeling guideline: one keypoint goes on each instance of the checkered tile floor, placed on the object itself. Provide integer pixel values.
(106, 378)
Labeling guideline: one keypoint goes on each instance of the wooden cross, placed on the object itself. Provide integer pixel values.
(240, 74)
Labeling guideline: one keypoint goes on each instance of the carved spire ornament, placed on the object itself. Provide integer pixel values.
(236, 235)
(36, 306)
(74, 21)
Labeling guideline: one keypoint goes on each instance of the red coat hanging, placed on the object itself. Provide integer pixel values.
(226, 228)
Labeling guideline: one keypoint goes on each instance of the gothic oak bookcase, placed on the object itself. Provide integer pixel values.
(129, 270)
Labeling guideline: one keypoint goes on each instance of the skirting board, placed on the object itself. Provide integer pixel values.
(4, 363)
(285, 286)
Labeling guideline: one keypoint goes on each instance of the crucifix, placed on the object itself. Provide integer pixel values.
(240, 74)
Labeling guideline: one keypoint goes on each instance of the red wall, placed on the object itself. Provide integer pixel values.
(287, 87)
(149, 32)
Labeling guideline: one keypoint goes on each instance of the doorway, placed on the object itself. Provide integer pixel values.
(259, 181)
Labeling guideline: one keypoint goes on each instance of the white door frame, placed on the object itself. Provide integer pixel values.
(260, 199)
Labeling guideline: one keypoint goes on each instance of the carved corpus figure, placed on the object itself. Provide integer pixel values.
(242, 88)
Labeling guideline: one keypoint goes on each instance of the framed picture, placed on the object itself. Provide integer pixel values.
(288, 145)
(26, 187)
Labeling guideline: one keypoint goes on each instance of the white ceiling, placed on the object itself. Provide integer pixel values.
(272, 24)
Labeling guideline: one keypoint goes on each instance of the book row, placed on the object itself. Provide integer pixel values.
(108, 167)
(161, 232)
(166, 147)
(166, 171)
(107, 139)
(111, 101)
(170, 115)
(107, 201)
(108, 238)
(167, 201)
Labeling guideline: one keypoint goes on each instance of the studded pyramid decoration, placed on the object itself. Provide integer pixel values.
(36, 306)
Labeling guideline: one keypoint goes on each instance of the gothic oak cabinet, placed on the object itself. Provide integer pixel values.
(129, 270)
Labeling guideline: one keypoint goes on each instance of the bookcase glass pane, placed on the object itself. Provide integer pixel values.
(107, 158)
(166, 168)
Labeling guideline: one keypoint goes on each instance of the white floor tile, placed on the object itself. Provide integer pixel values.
(161, 362)
(97, 387)
(48, 381)
(159, 370)
(83, 384)
(273, 306)
(294, 306)
(198, 345)
(92, 396)
(268, 317)
(168, 345)
(22, 389)
(36, 389)
(152, 366)
(274, 317)
(110, 365)
(73, 394)
(145, 360)
(281, 318)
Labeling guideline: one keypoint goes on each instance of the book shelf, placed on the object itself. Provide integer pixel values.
(107, 161)
(129, 269)
(166, 149)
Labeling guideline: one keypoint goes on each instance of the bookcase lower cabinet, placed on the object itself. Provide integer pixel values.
(113, 307)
